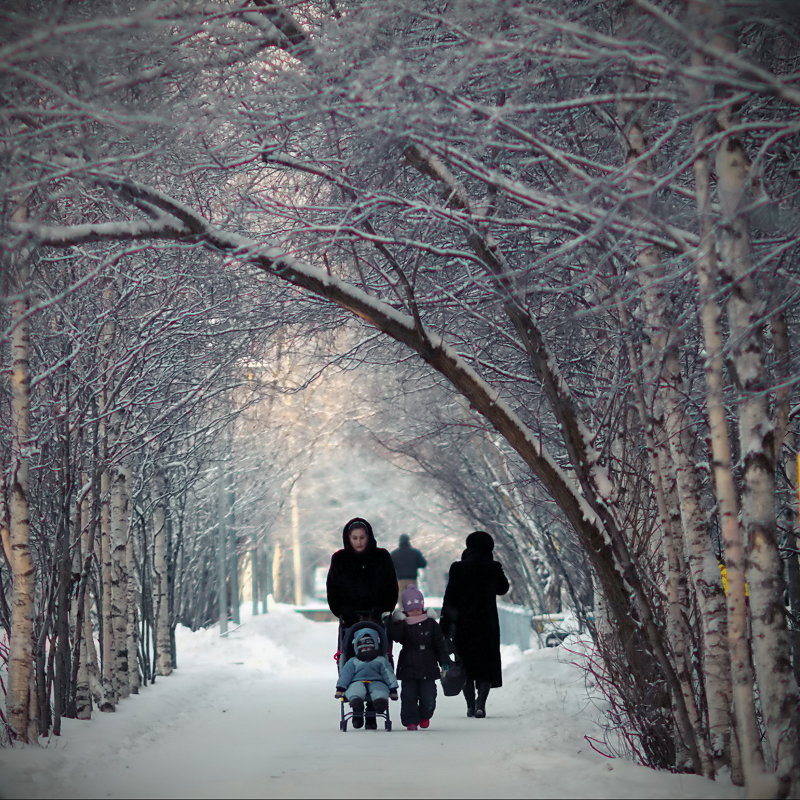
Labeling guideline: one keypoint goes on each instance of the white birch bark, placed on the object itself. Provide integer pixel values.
(276, 571)
(297, 553)
(665, 376)
(160, 575)
(778, 694)
(777, 688)
(233, 547)
(119, 579)
(89, 651)
(21, 694)
(254, 578)
(134, 679)
(783, 397)
(672, 547)
(742, 677)
(702, 568)
(222, 560)
(90, 656)
(83, 694)
(110, 696)
(602, 622)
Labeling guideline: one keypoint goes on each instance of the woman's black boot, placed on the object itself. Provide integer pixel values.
(469, 696)
(483, 692)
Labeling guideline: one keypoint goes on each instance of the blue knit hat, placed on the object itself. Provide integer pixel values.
(365, 638)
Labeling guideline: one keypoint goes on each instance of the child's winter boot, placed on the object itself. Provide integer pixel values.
(357, 704)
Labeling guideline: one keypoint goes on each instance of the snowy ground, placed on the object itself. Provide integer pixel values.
(253, 715)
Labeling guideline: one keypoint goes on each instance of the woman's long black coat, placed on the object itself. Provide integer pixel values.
(361, 582)
(469, 614)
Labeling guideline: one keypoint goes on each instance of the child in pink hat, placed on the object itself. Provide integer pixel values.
(421, 658)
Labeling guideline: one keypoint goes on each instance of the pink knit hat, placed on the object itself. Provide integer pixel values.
(412, 599)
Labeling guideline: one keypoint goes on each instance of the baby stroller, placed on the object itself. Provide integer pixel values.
(346, 651)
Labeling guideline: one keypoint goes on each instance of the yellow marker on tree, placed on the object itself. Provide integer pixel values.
(724, 573)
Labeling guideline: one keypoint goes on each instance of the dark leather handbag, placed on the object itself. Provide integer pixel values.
(453, 679)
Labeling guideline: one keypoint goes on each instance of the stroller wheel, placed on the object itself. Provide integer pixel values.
(388, 725)
(343, 725)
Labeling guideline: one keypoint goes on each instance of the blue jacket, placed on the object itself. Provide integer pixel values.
(378, 669)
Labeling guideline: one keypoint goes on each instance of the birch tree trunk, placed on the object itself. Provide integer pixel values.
(110, 696)
(80, 610)
(297, 554)
(702, 568)
(132, 632)
(255, 582)
(793, 562)
(663, 372)
(222, 559)
(264, 578)
(160, 574)
(778, 692)
(21, 712)
(233, 540)
(742, 677)
(93, 667)
(276, 571)
(668, 505)
(119, 532)
(788, 456)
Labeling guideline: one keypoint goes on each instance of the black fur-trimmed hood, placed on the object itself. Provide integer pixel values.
(358, 522)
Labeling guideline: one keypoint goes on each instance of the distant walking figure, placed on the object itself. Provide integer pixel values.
(407, 561)
(469, 618)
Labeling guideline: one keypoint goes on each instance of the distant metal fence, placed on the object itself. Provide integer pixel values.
(515, 625)
(516, 622)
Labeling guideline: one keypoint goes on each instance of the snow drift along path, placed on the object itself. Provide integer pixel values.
(253, 715)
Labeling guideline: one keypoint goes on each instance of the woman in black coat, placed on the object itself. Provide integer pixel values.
(361, 579)
(361, 582)
(469, 618)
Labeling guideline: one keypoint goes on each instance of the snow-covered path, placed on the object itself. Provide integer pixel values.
(253, 715)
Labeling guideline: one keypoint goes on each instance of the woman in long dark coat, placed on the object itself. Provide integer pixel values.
(361, 582)
(469, 618)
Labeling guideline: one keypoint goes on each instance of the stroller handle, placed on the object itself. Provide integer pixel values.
(369, 614)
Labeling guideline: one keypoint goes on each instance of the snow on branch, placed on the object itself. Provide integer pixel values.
(181, 223)
(164, 227)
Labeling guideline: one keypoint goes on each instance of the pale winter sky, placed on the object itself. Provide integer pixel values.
(253, 715)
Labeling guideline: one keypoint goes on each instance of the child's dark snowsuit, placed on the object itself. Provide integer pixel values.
(423, 651)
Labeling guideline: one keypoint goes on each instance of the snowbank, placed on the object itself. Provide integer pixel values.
(252, 714)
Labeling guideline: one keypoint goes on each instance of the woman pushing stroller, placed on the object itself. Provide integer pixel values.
(361, 586)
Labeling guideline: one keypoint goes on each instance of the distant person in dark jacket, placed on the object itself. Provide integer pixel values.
(423, 654)
(407, 561)
(361, 579)
(469, 618)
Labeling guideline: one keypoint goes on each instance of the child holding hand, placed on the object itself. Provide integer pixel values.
(423, 654)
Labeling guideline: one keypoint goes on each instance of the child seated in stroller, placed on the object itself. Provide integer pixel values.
(367, 675)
